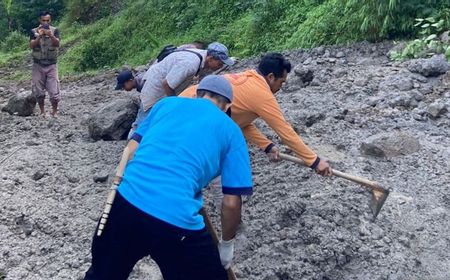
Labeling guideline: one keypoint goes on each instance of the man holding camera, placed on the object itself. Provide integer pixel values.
(44, 41)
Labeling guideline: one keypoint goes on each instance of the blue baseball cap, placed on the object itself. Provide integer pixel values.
(219, 51)
(123, 76)
(218, 85)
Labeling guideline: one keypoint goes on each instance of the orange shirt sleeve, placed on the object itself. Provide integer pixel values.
(253, 135)
(269, 110)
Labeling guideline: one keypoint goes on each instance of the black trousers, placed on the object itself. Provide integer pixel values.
(130, 234)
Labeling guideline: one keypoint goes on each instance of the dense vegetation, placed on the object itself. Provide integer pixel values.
(108, 33)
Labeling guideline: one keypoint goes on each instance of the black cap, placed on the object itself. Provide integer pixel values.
(123, 76)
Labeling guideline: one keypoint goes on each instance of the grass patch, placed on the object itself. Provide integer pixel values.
(14, 62)
(135, 34)
(9, 59)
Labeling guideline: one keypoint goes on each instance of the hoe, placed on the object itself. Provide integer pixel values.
(378, 193)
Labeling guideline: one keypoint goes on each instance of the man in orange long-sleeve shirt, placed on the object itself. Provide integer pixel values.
(253, 92)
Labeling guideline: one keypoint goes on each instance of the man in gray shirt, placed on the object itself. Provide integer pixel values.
(175, 72)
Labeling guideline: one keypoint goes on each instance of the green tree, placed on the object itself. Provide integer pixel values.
(88, 11)
(27, 12)
(7, 4)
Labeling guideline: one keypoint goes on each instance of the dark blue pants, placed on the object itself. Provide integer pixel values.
(131, 234)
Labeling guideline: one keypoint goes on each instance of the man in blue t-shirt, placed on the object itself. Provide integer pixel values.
(180, 147)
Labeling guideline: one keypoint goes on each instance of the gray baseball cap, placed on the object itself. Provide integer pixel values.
(218, 85)
(219, 51)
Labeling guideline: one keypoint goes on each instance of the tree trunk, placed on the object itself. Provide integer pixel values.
(10, 23)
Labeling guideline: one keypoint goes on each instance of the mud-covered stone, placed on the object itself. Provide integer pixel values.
(39, 175)
(306, 74)
(402, 99)
(113, 120)
(390, 145)
(311, 119)
(429, 67)
(101, 177)
(400, 82)
(361, 81)
(24, 224)
(419, 114)
(436, 109)
(340, 54)
(72, 178)
(22, 104)
(293, 83)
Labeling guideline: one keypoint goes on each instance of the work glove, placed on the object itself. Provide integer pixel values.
(226, 251)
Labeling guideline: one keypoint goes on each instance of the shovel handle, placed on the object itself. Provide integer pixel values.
(215, 238)
(363, 181)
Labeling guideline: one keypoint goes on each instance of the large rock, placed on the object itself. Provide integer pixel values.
(22, 104)
(113, 121)
(429, 67)
(390, 145)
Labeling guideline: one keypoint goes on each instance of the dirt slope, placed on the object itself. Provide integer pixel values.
(297, 225)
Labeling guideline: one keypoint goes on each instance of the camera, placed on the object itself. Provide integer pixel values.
(42, 29)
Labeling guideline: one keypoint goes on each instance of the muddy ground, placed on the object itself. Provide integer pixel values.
(298, 225)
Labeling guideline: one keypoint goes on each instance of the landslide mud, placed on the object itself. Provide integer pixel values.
(297, 225)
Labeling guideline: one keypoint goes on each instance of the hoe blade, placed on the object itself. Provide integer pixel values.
(377, 200)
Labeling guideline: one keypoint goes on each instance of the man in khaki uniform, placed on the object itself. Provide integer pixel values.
(44, 41)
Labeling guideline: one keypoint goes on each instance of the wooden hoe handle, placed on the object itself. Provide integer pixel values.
(112, 194)
(215, 238)
(363, 181)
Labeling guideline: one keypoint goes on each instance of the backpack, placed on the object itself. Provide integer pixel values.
(171, 49)
(165, 52)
